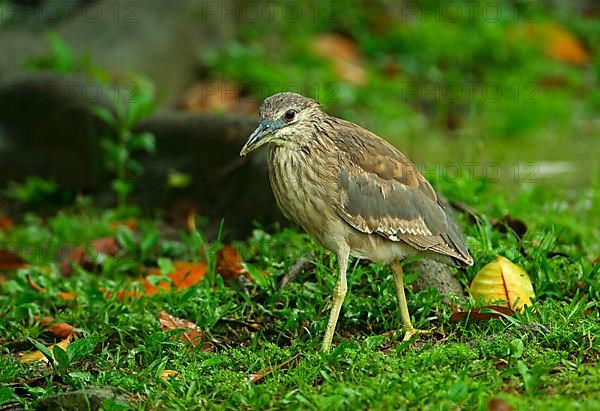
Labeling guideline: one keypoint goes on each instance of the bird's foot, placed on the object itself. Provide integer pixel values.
(409, 333)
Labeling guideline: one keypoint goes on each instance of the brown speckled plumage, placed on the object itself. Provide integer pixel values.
(353, 191)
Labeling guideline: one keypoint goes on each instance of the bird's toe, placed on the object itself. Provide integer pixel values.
(409, 333)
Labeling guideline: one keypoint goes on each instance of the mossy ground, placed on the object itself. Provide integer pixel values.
(544, 358)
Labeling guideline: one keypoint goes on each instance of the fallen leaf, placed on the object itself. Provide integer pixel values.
(81, 255)
(66, 296)
(517, 226)
(210, 96)
(193, 335)
(43, 320)
(552, 39)
(259, 376)
(500, 362)
(60, 329)
(501, 280)
(229, 263)
(186, 274)
(56, 329)
(10, 261)
(498, 404)
(130, 223)
(564, 46)
(38, 356)
(167, 374)
(178, 215)
(217, 96)
(508, 222)
(343, 54)
(191, 221)
(6, 224)
(481, 313)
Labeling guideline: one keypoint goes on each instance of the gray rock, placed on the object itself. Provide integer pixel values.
(87, 399)
(433, 274)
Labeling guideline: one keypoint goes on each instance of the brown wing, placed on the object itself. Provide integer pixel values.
(382, 192)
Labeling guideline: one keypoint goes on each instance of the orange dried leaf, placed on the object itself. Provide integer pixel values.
(552, 39)
(6, 224)
(66, 296)
(193, 335)
(229, 263)
(43, 320)
(482, 313)
(60, 330)
(220, 96)
(130, 223)
(38, 356)
(10, 261)
(498, 404)
(81, 255)
(57, 329)
(167, 374)
(564, 46)
(501, 280)
(186, 274)
(343, 54)
(332, 45)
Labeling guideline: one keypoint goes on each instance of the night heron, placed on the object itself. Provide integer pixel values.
(355, 193)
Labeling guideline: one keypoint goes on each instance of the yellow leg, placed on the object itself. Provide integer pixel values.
(409, 330)
(339, 293)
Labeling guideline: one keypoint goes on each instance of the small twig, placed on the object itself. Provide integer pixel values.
(254, 326)
(295, 269)
(231, 167)
(35, 286)
(259, 376)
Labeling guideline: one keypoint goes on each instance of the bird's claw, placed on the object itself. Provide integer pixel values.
(411, 332)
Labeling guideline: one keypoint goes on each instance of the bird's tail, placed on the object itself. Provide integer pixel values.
(454, 238)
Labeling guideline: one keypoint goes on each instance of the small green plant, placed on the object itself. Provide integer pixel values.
(36, 192)
(60, 57)
(122, 141)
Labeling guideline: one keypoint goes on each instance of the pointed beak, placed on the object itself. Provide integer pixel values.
(257, 138)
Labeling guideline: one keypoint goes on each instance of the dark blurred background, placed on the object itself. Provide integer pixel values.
(153, 99)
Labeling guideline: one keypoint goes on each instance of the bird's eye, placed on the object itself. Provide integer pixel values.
(289, 115)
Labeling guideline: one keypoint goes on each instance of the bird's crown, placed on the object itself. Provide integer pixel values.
(274, 104)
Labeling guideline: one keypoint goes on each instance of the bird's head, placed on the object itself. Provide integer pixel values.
(283, 120)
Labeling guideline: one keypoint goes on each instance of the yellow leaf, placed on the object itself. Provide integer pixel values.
(553, 40)
(564, 46)
(38, 356)
(501, 280)
(167, 374)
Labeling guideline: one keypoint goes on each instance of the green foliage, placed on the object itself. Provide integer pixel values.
(60, 57)
(122, 141)
(545, 357)
(474, 70)
(36, 193)
(133, 101)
